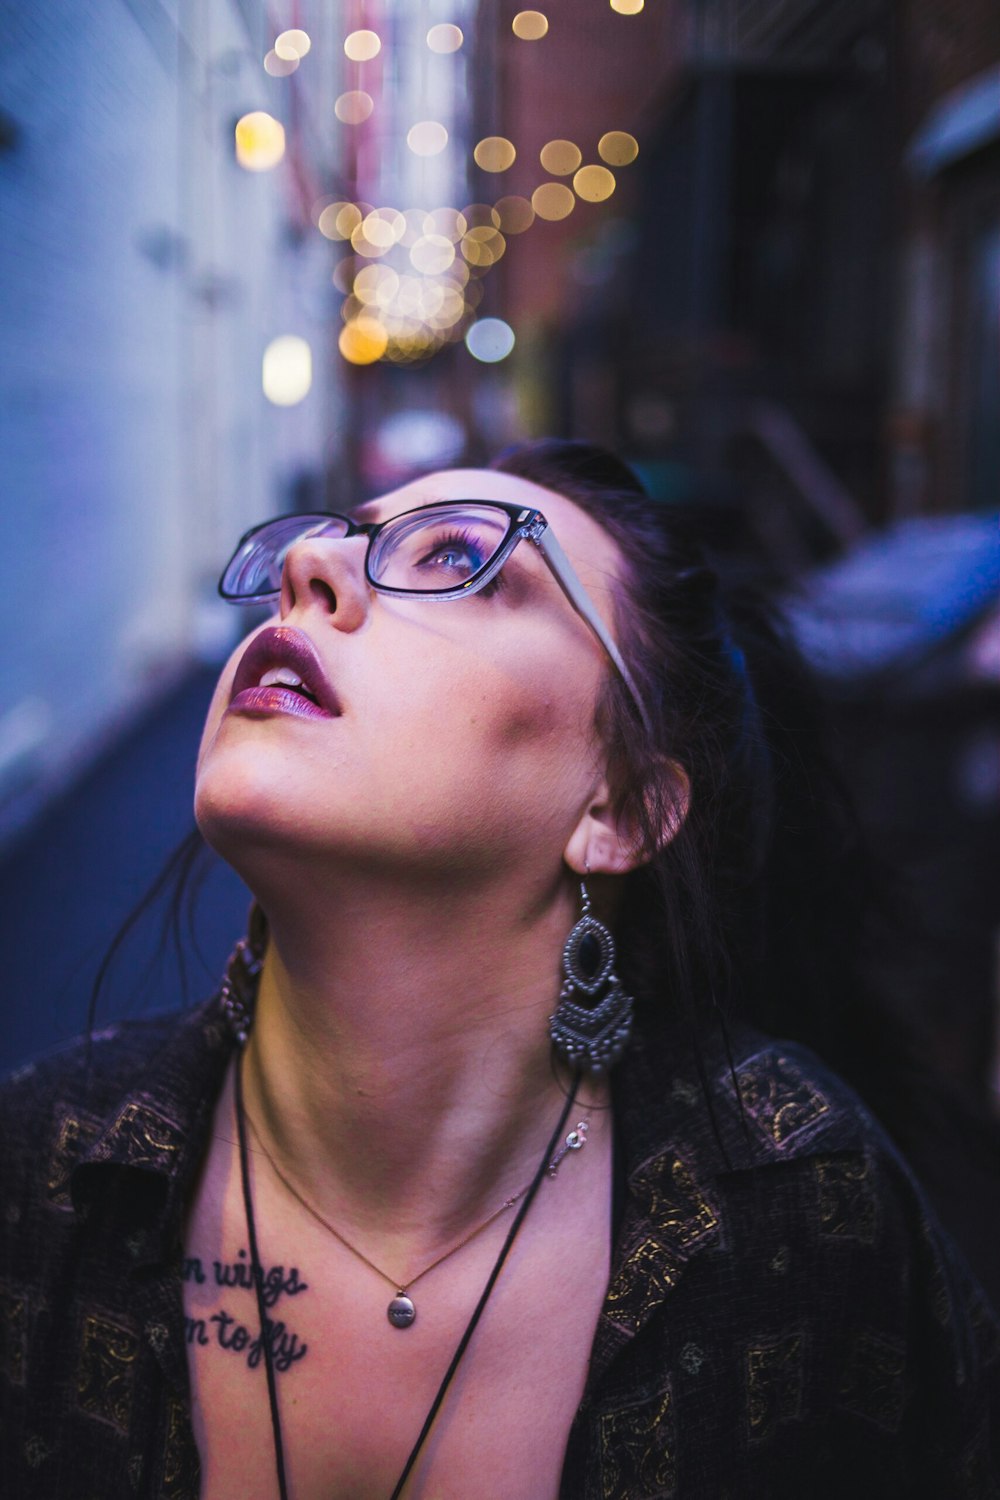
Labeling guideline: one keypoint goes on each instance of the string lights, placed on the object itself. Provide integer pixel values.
(411, 278)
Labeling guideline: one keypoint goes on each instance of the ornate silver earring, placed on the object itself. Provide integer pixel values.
(591, 1032)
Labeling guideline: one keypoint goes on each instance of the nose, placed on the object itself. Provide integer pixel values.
(328, 574)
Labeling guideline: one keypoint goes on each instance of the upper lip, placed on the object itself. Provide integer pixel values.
(284, 646)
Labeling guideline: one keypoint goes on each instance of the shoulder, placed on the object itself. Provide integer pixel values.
(799, 1240)
(143, 1077)
(783, 1153)
(741, 1101)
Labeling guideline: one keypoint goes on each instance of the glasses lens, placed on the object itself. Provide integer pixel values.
(255, 569)
(438, 548)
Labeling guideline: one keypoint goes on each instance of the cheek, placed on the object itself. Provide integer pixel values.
(517, 730)
(213, 718)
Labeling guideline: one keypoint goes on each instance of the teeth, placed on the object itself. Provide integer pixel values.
(280, 675)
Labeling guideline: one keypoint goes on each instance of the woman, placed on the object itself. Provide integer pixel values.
(397, 1214)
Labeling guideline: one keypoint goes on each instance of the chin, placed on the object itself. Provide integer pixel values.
(240, 804)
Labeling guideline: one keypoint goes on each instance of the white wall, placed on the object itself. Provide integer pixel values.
(142, 272)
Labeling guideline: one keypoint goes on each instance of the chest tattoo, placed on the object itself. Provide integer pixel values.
(223, 1329)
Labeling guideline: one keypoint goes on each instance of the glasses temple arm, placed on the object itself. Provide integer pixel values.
(565, 575)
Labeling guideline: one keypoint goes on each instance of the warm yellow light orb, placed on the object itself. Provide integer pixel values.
(594, 184)
(560, 157)
(627, 7)
(260, 141)
(378, 230)
(362, 46)
(376, 284)
(279, 67)
(553, 200)
(432, 254)
(483, 247)
(618, 148)
(446, 221)
(494, 153)
(338, 220)
(529, 25)
(294, 43)
(427, 138)
(445, 38)
(516, 214)
(363, 340)
(476, 214)
(354, 107)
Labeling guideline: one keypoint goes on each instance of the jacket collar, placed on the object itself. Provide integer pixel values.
(152, 1136)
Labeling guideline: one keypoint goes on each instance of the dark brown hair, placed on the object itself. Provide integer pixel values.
(755, 907)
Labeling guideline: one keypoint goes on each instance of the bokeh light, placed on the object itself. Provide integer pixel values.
(279, 67)
(427, 138)
(294, 43)
(379, 228)
(286, 370)
(516, 214)
(444, 38)
(260, 141)
(618, 148)
(529, 25)
(432, 254)
(446, 221)
(363, 244)
(483, 246)
(344, 273)
(627, 7)
(560, 157)
(363, 340)
(553, 200)
(339, 220)
(362, 46)
(476, 214)
(490, 340)
(376, 284)
(354, 107)
(594, 184)
(494, 153)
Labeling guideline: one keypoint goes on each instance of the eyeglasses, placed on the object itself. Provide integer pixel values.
(436, 552)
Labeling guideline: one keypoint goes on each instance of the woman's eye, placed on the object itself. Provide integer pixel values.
(453, 555)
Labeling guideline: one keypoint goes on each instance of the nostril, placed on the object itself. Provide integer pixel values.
(322, 591)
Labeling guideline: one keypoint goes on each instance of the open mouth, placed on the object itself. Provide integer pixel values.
(280, 673)
(285, 677)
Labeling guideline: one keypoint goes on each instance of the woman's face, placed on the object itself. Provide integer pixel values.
(456, 733)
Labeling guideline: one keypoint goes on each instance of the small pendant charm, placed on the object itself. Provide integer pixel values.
(575, 1141)
(401, 1311)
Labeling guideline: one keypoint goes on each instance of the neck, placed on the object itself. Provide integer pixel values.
(399, 1067)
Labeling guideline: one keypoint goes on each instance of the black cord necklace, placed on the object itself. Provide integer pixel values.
(463, 1343)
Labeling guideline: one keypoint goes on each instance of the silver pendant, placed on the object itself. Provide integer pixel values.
(401, 1311)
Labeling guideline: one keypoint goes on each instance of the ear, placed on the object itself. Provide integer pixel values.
(608, 841)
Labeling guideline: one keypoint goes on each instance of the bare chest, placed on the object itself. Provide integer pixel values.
(352, 1392)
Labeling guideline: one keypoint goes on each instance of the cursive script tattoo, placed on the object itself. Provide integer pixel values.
(222, 1327)
(274, 1282)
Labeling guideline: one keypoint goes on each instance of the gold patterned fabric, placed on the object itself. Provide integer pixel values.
(784, 1316)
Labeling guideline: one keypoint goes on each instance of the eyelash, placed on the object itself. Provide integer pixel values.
(464, 539)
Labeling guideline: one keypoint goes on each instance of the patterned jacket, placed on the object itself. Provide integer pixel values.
(784, 1317)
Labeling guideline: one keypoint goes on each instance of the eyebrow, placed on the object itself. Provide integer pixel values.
(362, 511)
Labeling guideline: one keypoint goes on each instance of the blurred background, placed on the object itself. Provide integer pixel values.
(265, 257)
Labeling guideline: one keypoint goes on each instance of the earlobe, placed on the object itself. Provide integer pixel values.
(611, 840)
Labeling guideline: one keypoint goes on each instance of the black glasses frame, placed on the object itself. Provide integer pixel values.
(523, 523)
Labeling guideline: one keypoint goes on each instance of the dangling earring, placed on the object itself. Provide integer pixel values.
(591, 1035)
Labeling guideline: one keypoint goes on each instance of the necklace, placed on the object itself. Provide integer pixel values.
(401, 1311)
(546, 1164)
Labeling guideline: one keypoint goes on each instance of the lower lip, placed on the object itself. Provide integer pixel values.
(276, 700)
